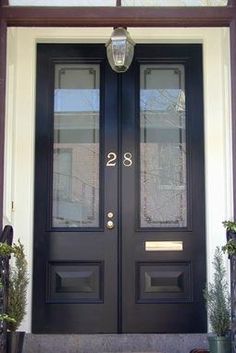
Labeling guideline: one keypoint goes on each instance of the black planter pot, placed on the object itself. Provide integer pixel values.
(219, 344)
(233, 299)
(15, 341)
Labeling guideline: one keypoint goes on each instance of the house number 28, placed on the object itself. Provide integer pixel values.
(112, 159)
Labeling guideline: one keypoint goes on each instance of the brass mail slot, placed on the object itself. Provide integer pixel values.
(163, 246)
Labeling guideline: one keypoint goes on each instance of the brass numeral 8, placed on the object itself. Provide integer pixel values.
(127, 161)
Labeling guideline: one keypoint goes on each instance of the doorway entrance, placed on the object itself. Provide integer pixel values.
(119, 236)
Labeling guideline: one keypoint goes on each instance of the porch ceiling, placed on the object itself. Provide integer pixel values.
(118, 16)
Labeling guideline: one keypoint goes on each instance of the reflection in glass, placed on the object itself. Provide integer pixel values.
(163, 197)
(76, 146)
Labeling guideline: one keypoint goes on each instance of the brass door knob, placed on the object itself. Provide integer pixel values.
(110, 224)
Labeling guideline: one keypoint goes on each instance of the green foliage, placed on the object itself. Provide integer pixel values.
(7, 318)
(18, 282)
(5, 249)
(230, 247)
(217, 298)
(230, 226)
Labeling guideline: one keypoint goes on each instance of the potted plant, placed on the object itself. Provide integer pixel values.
(218, 307)
(230, 246)
(16, 308)
(230, 249)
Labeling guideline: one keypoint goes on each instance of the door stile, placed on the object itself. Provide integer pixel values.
(129, 189)
(111, 175)
(119, 223)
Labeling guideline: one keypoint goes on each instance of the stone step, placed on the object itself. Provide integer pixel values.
(114, 343)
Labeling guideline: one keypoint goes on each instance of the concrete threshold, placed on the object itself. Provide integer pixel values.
(114, 343)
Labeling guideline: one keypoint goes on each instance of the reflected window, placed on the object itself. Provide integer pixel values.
(76, 146)
(163, 196)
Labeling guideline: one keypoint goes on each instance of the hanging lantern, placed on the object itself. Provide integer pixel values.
(120, 50)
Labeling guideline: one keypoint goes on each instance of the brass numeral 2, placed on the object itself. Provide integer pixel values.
(112, 157)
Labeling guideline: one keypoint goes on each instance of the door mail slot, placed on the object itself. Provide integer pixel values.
(163, 246)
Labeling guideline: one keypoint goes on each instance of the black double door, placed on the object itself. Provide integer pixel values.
(119, 241)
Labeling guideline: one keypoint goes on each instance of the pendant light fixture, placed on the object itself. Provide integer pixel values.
(120, 50)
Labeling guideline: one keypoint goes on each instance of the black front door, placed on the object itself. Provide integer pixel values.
(119, 241)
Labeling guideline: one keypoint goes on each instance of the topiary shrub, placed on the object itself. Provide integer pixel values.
(217, 298)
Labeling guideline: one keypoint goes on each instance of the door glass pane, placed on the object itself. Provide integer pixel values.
(76, 146)
(162, 146)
